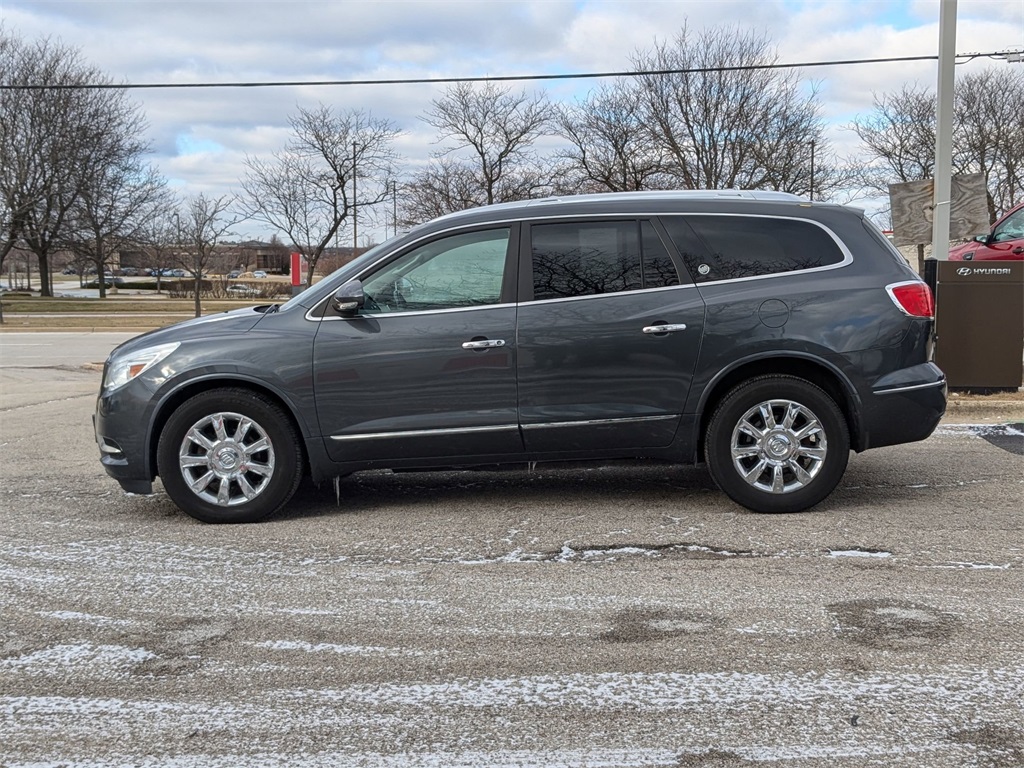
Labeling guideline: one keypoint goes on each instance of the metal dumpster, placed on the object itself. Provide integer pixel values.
(979, 324)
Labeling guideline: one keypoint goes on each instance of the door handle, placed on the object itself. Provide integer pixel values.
(484, 344)
(665, 328)
(1019, 249)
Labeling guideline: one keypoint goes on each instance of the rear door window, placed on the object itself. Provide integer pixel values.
(598, 257)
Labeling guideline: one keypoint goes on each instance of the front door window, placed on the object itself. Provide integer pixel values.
(464, 270)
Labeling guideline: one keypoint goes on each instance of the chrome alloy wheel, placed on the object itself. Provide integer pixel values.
(778, 446)
(226, 459)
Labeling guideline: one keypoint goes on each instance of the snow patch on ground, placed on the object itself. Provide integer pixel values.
(97, 660)
(858, 553)
(977, 430)
(90, 618)
(520, 758)
(356, 650)
(972, 566)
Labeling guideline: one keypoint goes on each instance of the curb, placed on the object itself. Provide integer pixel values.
(8, 328)
(958, 411)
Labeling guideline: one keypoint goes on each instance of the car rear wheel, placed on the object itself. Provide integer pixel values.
(777, 444)
(230, 456)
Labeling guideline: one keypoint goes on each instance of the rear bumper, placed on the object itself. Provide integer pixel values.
(904, 407)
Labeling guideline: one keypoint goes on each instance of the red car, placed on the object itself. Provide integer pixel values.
(1004, 243)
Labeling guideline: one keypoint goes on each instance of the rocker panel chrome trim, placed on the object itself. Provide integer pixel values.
(425, 432)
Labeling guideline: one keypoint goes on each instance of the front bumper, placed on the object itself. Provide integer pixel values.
(121, 439)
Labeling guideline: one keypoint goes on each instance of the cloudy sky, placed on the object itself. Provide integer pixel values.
(200, 137)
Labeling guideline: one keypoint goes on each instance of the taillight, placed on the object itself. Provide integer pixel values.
(913, 298)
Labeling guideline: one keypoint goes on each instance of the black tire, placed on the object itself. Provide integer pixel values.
(777, 467)
(240, 472)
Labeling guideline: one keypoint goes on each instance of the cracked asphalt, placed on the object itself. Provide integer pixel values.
(618, 616)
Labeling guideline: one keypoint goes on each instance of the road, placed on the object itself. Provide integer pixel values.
(625, 616)
(47, 350)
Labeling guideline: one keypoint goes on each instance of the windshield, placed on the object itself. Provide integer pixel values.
(370, 255)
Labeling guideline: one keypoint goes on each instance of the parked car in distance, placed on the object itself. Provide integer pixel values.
(109, 281)
(241, 290)
(259, 273)
(1005, 242)
(756, 332)
(234, 273)
(129, 271)
(69, 271)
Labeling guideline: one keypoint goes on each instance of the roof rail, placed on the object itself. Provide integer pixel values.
(664, 194)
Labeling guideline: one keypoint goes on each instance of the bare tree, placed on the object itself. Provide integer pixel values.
(448, 184)
(490, 131)
(306, 191)
(989, 133)
(113, 210)
(718, 123)
(444, 186)
(18, 190)
(610, 146)
(31, 135)
(57, 133)
(898, 136)
(201, 226)
(159, 239)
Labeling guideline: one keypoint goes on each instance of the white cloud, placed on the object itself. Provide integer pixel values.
(200, 137)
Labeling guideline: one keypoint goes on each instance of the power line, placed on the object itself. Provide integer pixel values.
(489, 79)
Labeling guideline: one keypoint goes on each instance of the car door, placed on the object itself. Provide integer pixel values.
(607, 337)
(1006, 243)
(427, 367)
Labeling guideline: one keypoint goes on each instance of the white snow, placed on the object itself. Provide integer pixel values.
(98, 660)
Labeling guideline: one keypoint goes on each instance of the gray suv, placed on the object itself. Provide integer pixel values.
(759, 333)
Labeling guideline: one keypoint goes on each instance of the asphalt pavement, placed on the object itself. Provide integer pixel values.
(622, 616)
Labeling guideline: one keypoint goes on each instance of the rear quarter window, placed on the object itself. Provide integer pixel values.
(737, 246)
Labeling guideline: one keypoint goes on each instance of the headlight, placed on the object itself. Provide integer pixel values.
(124, 368)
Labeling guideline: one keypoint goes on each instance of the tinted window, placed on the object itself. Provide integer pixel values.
(748, 246)
(585, 259)
(459, 271)
(659, 271)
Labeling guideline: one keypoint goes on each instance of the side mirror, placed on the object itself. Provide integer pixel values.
(981, 238)
(349, 299)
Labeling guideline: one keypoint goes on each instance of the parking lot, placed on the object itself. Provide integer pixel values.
(620, 616)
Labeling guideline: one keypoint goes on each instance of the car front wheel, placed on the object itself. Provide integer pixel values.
(777, 444)
(230, 456)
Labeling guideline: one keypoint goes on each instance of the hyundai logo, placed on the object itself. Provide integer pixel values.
(965, 271)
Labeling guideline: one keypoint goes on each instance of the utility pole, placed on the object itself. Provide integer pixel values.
(944, 131)
(355, 210)
(812, 170)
